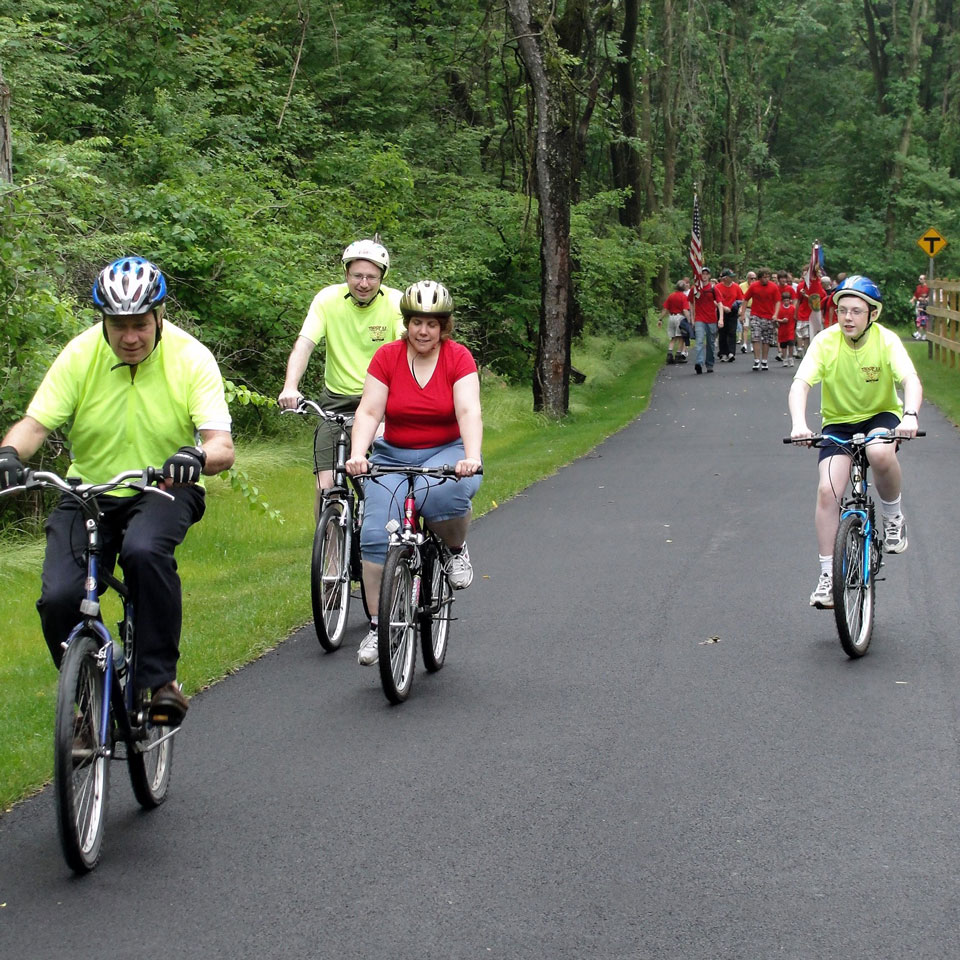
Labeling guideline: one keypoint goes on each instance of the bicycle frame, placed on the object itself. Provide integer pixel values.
(858, 503)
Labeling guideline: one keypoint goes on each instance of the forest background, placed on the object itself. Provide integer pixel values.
(241, 146)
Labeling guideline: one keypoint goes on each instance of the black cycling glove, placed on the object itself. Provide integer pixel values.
(185, 466)
(11, 468)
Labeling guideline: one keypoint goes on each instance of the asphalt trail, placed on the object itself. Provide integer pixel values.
(644, 744)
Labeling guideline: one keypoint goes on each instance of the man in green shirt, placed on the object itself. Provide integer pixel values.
(354, 318)
(130, 392)
(859, 365)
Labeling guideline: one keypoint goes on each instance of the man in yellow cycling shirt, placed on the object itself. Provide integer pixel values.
(131, 392)
(354, 318)
(859, 365)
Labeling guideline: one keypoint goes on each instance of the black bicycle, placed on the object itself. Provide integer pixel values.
(98, 706)
(416, 596)
(858, 547)
(335, 567)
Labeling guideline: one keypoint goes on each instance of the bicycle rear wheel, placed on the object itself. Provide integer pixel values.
(149, 763)
(397, 630)
(435, 609)
(330, 576)
(81, 768)
(853, 586)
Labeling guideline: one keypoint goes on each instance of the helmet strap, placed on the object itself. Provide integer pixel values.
(349, 296)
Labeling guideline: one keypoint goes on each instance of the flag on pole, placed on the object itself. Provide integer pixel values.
(696, 248)
(816, 260)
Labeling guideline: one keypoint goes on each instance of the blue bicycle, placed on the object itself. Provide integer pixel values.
(98, 706)
(858, 547)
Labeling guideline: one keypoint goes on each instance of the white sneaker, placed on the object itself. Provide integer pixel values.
(459, 569)
(367, 654)
(822, 597)
(894, 534)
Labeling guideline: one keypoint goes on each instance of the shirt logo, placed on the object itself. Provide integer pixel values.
(871, 374)
(378, 333)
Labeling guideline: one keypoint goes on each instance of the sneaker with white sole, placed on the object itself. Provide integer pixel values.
(459, 569)
(822, 597)
(894, 534)
(367, 653)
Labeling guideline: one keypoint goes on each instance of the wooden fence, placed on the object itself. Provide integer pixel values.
(943, 334)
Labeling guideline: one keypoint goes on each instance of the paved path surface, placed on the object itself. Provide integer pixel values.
(589, 776)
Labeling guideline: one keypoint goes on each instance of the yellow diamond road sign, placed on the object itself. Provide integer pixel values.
(931, 243)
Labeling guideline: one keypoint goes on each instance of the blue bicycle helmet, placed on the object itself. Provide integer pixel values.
(129, 286)
(865, 289)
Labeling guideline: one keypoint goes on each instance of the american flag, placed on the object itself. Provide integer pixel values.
(696, 248)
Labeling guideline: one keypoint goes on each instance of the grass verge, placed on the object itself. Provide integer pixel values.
(941, 382)
(246, 578)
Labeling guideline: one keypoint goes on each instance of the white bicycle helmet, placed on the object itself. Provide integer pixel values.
(371, 250)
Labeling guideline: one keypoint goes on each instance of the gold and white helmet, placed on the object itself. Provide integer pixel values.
(426, 298)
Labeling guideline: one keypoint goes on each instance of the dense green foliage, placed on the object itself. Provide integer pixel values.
(242, 145)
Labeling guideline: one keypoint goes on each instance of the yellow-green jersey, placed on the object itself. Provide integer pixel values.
(118, 417)
(353, 333)
(858, 382)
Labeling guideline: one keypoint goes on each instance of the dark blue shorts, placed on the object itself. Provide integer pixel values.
(881, 421)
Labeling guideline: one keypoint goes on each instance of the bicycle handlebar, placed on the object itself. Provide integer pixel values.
(37, 479)
(305, 406)
(889, 437)
(446, 471)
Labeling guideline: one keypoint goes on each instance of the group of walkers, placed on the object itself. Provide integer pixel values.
(135, 390)
(761, 311)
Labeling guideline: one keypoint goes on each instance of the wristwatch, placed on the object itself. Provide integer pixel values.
(911, 413)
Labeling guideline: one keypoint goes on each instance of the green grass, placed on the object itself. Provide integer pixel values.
(246, 577)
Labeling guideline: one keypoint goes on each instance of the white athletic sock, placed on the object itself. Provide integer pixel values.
(826, 564)
(890, 508)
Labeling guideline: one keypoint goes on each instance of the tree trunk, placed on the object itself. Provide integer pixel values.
(631, 211)
(6, 147)
(918, 16)
(553, 153)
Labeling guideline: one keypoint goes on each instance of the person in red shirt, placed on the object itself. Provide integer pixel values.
(764, 297)
(426, 391)
(729, 294)
(706, 315)
(676, 308)
(920, 299)
(827, 306)
(786, 326)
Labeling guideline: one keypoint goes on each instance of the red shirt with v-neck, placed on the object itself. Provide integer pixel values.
(420, 417)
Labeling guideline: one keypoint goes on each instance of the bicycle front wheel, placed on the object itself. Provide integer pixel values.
(397, 630)
(81, 768)
(149, 762)
(853, 586)
(435, 610)
(330, 576)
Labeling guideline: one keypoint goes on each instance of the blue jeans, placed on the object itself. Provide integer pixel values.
(708, 332)
(436, 499)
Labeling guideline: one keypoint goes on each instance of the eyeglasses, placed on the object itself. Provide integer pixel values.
(854, 312)
(360, 277)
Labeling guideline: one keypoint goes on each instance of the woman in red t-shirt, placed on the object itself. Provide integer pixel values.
(425, 389)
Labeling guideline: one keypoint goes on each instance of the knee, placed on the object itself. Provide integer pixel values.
(145, 556)
(373, 545)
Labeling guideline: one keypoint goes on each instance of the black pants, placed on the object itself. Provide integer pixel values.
(728, 335)
(143, 530)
